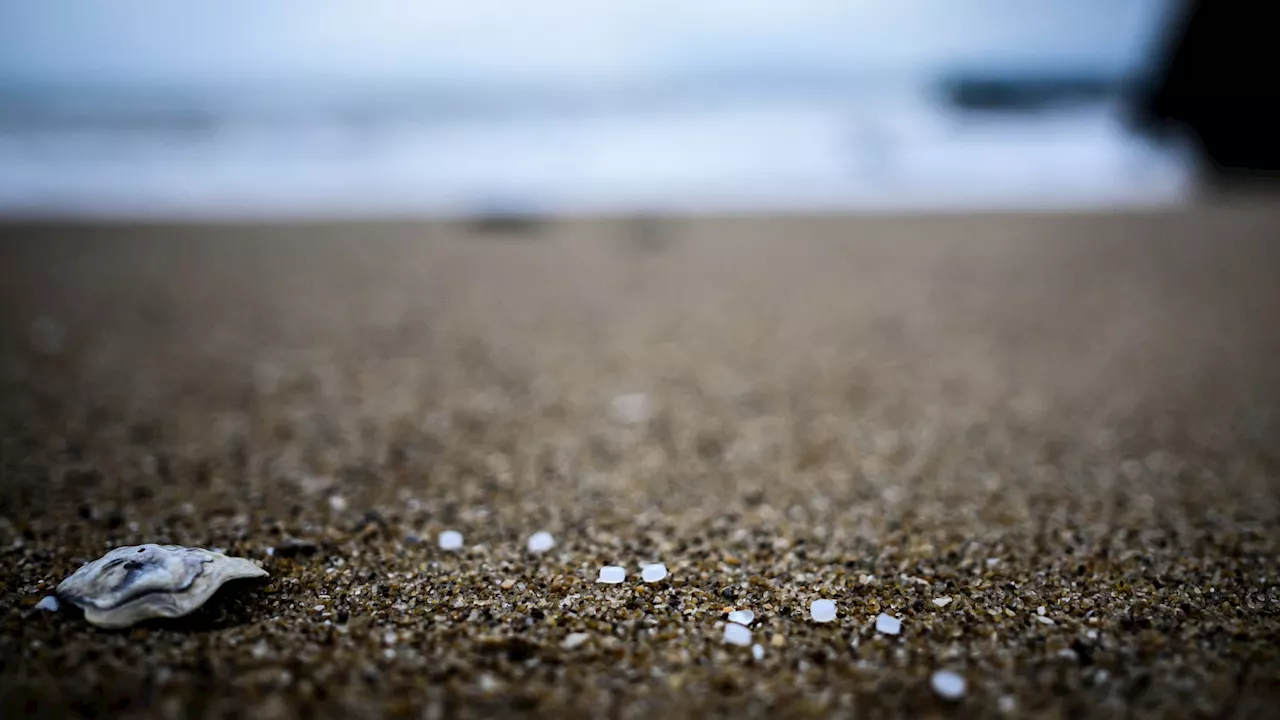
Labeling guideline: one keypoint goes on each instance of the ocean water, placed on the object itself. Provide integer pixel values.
(194, 155)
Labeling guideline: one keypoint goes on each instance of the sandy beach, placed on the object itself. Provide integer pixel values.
(1047, 444)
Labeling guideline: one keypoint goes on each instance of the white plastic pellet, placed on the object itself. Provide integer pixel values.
(612, 574)
(888, 624)
(450, 540)
(630, 409)
(574, 640)
(653, 573)
(736, 634)
(823, 610)
(541, 542)
(757, 652)
(949, 685)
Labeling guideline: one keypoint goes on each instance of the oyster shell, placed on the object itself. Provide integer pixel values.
(138, 582)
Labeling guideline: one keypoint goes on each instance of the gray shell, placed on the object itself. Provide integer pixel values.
(138, 582)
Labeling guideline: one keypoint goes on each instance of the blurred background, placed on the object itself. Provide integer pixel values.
(189, 108)
(879, 299)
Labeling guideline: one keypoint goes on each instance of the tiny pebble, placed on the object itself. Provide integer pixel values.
(742, 617)
(1045, 620)
(888, 624)
(823, 610)
(1091, 634)
(337, 503)
(541, 542)
(736, 634)
(757, 652)
(949, 685)
(653, 573)
(1007, 704)
(389, 637)
(943, 601)
(49, 603)
(450, 540)
(271, 552)
(574, 640)
(612, 574)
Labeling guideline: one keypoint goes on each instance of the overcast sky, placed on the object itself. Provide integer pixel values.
(369, 40)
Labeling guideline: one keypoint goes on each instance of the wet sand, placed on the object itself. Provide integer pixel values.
(1065, 424)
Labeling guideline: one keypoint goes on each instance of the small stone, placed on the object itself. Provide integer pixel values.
(337, 503)
(757, 652)
(48, 603)
(612, 574)
(949, 685)
(736, 634)
(450, 540)
(1040, 610)
(1091, 634)
(742, 617)
(508, 583)
(653, 573)
(1007, 704)
(777, 640)
(943, 601)
(822, 611)
(541, 542)
(1045, 620)
(574, 640)
(888, 624)
(389, 637)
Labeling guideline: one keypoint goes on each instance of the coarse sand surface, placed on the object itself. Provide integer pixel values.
(1047, 444)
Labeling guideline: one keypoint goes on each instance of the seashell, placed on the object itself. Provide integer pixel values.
(139, 582)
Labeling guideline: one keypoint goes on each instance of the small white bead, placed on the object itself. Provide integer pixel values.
(612, 574)
(888, 624)
(574, 640)
(653, 573)
(541, 542)
(949, 685)
(450, 540)
(736, 634)
(823, 610)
